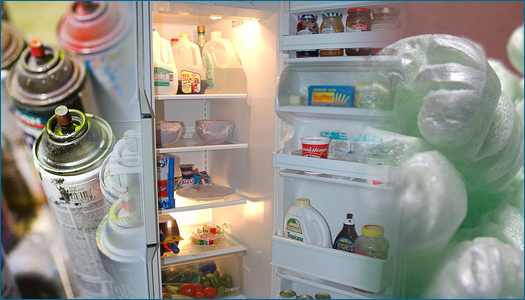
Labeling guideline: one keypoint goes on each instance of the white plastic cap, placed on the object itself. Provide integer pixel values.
(302, 202)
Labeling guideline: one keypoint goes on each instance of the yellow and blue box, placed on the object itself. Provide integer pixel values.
(331, 95)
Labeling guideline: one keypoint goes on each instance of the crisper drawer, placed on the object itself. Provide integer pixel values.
(354, 270)
(223, 273)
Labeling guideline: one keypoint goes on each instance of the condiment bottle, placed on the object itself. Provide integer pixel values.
(307, 24)
(332, 23)
(358, 19)
(345, 240)
(385, 18)
(201, 37)
(371, 242)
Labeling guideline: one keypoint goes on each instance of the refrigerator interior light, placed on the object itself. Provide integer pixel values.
(215, 17)
(192, 217)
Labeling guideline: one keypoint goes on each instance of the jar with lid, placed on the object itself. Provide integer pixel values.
(307, 24)
(332, 23)
(371, 242)
(384, 18)
(358, 19)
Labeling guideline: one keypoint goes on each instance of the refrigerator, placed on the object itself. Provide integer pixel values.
(262, 161)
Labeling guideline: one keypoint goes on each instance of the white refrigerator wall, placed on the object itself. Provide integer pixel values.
(249, 171)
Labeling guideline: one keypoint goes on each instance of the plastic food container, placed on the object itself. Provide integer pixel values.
(168, 132)
(214, 131)
(315, 146)
(207, 234)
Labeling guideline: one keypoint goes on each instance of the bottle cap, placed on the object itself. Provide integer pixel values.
(307, 16)
(302, 202)
(372, 230)
(349, 216)
(200, 28)
(358, 9)
(332, 14)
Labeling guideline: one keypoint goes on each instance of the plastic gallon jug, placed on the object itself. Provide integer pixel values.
(224, 72)
(187, 56)
(165, 76)
(304, 223)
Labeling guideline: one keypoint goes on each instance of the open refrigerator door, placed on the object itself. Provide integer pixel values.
(354, 179)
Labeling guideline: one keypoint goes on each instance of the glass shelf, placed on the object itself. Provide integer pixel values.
(185, 204)
(200, 97)
(189, 251)
(189, 145)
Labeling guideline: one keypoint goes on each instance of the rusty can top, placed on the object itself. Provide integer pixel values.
(12, 45)
(287, 294)
(322, 296)
(45, 76)
(73, 142)
(93, 26)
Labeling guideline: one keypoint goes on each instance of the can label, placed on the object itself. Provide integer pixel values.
(77, 201)
(78, 205)
(33, 121)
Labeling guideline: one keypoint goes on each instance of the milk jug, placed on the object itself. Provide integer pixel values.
(187, 56)
(165, 75)
(304, 223)
(224, 72)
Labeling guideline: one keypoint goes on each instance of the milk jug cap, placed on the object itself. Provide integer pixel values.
(216, 34)
(372, 230)
(302, 202)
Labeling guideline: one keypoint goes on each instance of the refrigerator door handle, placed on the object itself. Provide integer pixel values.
(153, 270)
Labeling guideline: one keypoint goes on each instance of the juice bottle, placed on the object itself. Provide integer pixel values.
(304, 223)
(345, 240)
(164, 69)
(187, 56)
(224, 72)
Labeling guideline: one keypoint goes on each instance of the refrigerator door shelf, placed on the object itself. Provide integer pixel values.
(201, 97)
(334, 59)
(318, 263)
(189, 251)
(360, 39)
(301, 286)
(335, 179)
(186, 204)
(295, 161)
(350, 113)
(189, 145)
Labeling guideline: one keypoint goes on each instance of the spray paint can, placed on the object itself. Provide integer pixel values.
(120, 242)
(12, 46)
(100, 32)
(119, 170)
(44, 78)
(68, 155)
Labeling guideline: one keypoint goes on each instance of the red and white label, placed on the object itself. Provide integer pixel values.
(320, 151)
